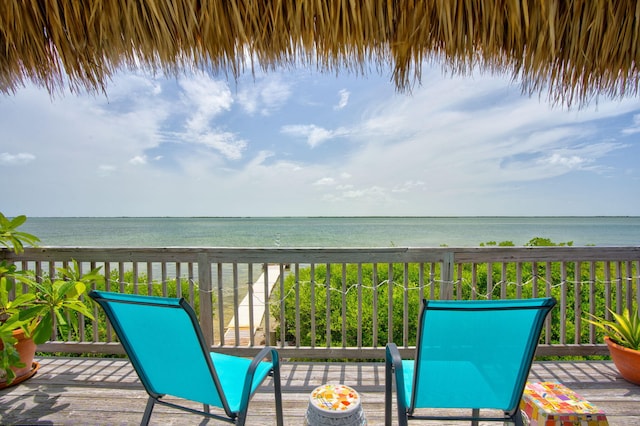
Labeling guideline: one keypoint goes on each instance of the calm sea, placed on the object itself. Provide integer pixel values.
(330, 231)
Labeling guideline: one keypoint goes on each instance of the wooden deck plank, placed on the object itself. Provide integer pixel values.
(79, 391)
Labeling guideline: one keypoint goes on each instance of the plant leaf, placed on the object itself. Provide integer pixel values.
(42, 333)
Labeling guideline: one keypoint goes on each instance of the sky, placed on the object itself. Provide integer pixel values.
(297, 142)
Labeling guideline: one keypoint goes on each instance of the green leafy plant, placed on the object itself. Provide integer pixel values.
(40, 302)
(13, 239)
(51, 298)
(623, 330)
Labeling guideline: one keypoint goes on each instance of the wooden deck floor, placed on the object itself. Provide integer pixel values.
(85, 391)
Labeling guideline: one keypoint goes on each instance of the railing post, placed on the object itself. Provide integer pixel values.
(446, 287)
(204, 294)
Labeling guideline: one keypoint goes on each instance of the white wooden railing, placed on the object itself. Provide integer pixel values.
(216, 280)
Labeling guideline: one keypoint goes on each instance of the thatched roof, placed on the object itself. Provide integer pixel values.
(571, 48)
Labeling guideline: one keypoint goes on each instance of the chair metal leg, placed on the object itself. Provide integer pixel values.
(518, 419)
(278, 390)
(403, 419)
(147, 411)
(475, 413)
(388, 389)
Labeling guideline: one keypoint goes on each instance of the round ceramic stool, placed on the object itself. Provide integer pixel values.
(335, 405)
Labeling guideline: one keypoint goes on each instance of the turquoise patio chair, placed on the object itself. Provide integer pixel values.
(164, 342)
(469, 355)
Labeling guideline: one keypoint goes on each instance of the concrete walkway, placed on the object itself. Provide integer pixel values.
(258, 304)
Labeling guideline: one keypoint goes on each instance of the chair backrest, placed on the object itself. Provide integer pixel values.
(476, 354)
(164, 342)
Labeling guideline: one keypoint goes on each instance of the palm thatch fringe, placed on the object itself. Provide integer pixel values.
(573, 49)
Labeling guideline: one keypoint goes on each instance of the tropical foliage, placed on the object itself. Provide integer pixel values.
(128, 284)
(367, 304)
(47, 301)
(13, 239)
(39, 303)
(623, 330)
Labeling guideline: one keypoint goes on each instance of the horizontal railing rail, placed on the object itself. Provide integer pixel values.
(347, 303)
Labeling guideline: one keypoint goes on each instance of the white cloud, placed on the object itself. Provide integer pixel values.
(325, 181)
(344, 187)
(138, 160)
(274, 94)
(570, 162)
(266, 95)
(634, 128)
(314, 135)
(206, 98)
(9, 159)
(371, 193)
(408, 186)
(344, 99)
(248, 99)
(584, 157)
(106, 169)
(224, 142)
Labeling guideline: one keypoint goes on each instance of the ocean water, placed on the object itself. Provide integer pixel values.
(329, 231)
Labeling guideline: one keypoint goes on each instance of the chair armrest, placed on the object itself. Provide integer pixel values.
(393, 368)
(394, 365)
(393, 355)
(266, 352)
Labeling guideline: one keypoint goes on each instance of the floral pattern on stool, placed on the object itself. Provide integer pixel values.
(335, 405)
